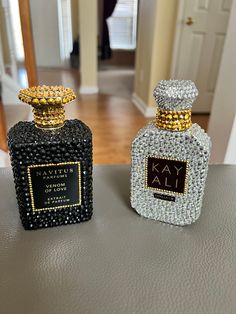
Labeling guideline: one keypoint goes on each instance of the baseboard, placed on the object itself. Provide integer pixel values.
(147, 111)
(88, 89)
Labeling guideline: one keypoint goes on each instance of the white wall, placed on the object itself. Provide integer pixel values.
(156, 30)
(224, 102)
(44, 18)
(230, 156)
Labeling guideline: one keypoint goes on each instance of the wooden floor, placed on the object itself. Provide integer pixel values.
(114, 121)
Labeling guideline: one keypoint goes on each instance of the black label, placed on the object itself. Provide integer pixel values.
(164, 197)
(166, 174)
(55, 186)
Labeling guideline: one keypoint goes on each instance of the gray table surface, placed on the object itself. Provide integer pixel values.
(119, 262)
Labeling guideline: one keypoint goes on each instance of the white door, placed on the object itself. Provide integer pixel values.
(199, 40)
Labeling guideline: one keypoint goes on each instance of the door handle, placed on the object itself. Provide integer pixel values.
(189, 21)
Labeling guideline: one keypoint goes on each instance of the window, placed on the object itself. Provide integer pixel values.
(123, 24)
(65, 28)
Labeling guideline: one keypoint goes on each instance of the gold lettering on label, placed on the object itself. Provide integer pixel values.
(167, 169)
(156, 179)
(154, 167)
(178, 170)
(166, 183)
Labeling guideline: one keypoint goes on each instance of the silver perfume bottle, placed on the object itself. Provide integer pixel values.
(170, 158)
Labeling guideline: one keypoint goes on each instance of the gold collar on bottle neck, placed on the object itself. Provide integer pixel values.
(173, 120)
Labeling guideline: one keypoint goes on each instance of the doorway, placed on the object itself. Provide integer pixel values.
(116, 62)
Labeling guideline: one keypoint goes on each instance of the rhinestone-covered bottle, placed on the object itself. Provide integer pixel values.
(51, 161)
(170, 158)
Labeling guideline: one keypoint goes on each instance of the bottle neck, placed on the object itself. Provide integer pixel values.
(175, 121)
(49, 117)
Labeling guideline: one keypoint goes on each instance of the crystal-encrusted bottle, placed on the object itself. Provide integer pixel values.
(170, 158)
(51, 161)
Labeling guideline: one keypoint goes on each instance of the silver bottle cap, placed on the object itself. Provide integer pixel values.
(175, 95)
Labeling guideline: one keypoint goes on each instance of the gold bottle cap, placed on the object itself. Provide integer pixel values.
(48, 103)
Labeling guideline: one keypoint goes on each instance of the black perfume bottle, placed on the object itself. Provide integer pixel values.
(52, 161)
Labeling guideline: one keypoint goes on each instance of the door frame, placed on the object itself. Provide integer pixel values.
(179, 24)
